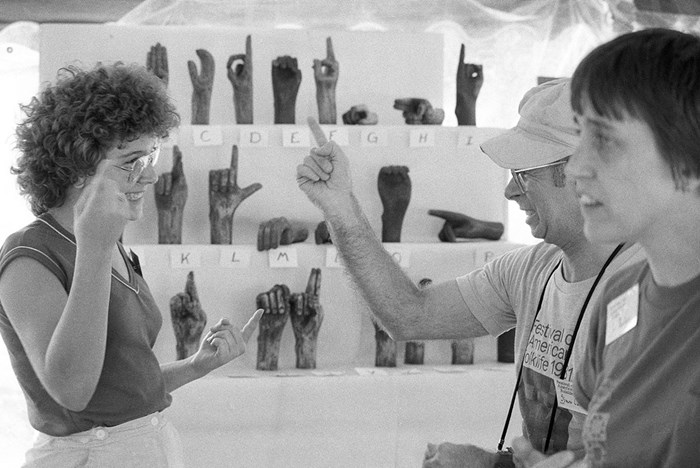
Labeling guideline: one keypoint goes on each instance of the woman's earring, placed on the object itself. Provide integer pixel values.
(80, 183)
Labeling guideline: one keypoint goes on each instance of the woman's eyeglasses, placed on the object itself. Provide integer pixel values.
(136, 167)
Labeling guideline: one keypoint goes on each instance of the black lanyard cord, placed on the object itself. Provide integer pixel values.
(520, 372)
(568, 351)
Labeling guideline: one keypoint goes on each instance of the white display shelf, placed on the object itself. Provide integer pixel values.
(346, 336)
(344, 420)
(450, 174)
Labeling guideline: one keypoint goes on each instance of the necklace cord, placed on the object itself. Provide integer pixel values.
(568, 351)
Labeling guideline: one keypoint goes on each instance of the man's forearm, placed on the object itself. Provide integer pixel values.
(392, 297)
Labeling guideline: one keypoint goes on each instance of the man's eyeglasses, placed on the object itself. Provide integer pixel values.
(519, 174)
(136, 167)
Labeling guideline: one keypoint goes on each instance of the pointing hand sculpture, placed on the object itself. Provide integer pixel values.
(275, 305)
(306, 315)
(279, 231)
(188, 319)
(360, 115)
(463, 226)
(326, 76)
(202, 85)
(419, 111)
(241, 78)
(286, 78)
(171, 195)
(224, 198)
(157, 62)
(470, 77)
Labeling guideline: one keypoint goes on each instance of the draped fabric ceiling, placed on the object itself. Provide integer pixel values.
(515, 40)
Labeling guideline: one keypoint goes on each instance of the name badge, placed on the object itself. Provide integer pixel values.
(622, 314)
(565, 396)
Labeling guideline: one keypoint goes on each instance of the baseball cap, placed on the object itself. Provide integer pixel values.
(545, 132)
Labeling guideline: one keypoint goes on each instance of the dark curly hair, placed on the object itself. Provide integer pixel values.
(71, 125)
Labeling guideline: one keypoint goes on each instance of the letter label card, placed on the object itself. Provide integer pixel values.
(283, 257)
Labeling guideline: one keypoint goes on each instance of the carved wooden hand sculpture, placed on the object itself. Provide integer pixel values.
(394, 186)
(322, 235)
(224, 198)
(171, 195)
(306, 315)
(419, 111)
(326, 76)
(157, 62)
(275, 304)
(463, 351)
(279, 231)
(415, 350)
(241, 78)
(360, 115)
(286, 78)
(470, 77)
(188, 319)
(202, 85)
(385, 354)
(463, 226)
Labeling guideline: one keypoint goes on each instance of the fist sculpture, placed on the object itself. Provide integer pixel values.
(286, 78)
(275, 305)
(394, 186)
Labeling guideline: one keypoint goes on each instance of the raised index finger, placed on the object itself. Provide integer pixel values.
(251, 325)
(316, 131)
(314, 284)
(446, 215)
(461, 55)
(248, 48)
(191, 288)
(177, 161)
(329, 49)
(234, 165)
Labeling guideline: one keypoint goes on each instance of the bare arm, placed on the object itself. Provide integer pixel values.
(407, 312)
(63, 334)
(222, 344)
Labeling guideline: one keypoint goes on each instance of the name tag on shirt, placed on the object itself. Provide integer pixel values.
(565, 396)
(622, 314)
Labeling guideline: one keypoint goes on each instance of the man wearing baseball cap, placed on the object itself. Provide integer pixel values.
(543, 290)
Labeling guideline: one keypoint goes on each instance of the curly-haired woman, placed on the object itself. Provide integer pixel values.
(78, 321)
